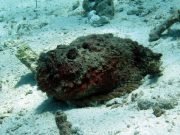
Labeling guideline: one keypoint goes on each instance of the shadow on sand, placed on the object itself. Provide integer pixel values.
(26, 79)
(52, 105)
(174, 33)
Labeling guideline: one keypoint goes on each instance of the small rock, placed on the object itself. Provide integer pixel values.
(96, 20)
(21, 113)
(116, 106)
(134, 12)
(29, 92)
(136, 133)
(77, 131)
(136, 96)
(65, 127)
(167, 103)
(102, 7)
(10, 110)
(144, 104)
(43, 24)
(111, 103)
(157, 111)
(139, 12)
(75, 5)
(158, 17)
(61, 116)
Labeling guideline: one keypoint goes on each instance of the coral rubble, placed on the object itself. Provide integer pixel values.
(102, 7)
(63, 125)
(95, 68)
(156, 33)
(28, 57)
(98, 11)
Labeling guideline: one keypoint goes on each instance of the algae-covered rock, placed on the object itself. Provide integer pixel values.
(95, 68)
(63, 125)
(28, 57)
(102, 7)
(96, 20)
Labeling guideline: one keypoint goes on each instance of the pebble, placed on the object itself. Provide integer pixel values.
(29, 92)
(136, 132)
(157, 111)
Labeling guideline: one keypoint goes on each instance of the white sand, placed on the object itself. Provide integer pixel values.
(28, 111)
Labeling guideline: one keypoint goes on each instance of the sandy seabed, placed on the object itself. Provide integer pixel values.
(25, 110)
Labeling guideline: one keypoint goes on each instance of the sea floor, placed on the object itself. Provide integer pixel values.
(25, 110)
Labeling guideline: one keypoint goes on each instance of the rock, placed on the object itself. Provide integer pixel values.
(88, 5)
(111, 103)
(29, 92)
(136, 132)
(156, 33)
(96, 20)
(159, 106)
(77, 131)
(134, 12)
(62, 123)
(42, 24)
(167, 103)
(28, 57)
(102, 7)
(95, 68)
(10, 44)
(23, 28)
(75, 5)
(136, 96)
(139, 12)
(162, 105)
(157, 111)
(144, 104)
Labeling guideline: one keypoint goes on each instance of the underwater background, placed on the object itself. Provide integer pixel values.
(57, 58)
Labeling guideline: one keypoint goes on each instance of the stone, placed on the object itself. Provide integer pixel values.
(75, 5)
(157, 111)
(63, 125)
(96, 20)
(157, 31)
(144, 104)
(102, 7)
(134, 12)
(28, 57)
(167, 104)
